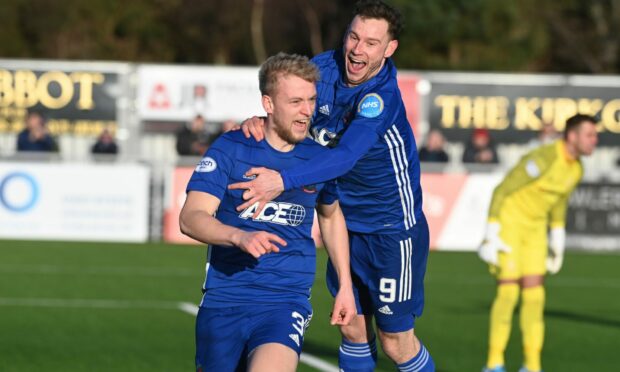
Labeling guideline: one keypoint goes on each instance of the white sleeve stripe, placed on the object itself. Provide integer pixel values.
(400, 166)
(398, 180)
(402, 171)
(406, 173)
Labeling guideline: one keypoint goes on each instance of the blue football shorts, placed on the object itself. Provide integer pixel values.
(226, 336)
(388, 275)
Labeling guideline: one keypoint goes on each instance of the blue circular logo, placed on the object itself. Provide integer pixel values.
(18, 206)
(370, 106)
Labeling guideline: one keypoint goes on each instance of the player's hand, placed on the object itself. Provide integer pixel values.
(258, 243)
(492, 245)
(344, 307)
(255, 127)
(234, 128)
(267, 186)
(555, 257)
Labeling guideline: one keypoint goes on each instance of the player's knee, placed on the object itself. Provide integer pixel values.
(357, 331)
(399, 347)
(508, 294)
(533, 295)
(529, 281)
(354, 334)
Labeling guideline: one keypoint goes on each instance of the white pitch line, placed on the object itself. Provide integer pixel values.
(305, 358)
(87, 303)
(103, 270)
(188, 307)
(317, 363)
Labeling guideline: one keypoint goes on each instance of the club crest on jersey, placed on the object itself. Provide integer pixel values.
(322, 136)
(370, 106)
(279, 213)
(531, 168)
(207, 164)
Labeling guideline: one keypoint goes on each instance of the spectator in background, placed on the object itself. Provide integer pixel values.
(433, 149)
(225, 126)
(229, 125)
(35, 136)
(547, 134)
(480, 149)
(105, 144)
(192, 139)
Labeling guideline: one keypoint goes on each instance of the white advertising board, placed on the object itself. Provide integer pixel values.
(177, 93)
(89, 202)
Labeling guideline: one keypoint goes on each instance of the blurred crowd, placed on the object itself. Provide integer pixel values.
(480, 148)
(193, 138)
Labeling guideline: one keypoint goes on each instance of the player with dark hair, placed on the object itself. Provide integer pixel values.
(528, 204)
(373, 155)
(255, 306)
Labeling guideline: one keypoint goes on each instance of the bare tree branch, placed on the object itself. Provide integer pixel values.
(572, 41)
(258, 39)
(314, 26)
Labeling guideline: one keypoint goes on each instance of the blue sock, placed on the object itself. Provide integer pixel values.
(360, 357)
(423, 362)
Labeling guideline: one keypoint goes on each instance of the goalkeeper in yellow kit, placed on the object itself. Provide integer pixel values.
(527, 206)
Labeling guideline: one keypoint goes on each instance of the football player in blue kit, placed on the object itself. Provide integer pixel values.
(260, 269)
(373, 155)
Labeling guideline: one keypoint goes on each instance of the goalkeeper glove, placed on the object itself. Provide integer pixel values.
(492, 244)
(555, 257)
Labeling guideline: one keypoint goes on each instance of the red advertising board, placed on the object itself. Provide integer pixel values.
(441, 192)
(172, 231)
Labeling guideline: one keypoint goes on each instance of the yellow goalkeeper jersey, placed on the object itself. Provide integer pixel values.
(537, 189)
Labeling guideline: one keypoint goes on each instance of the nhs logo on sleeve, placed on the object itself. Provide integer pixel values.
(279, 213)
(370, 106)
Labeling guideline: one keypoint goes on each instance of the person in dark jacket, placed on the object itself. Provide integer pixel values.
(480, 149)
(35, 137)
(433, 150)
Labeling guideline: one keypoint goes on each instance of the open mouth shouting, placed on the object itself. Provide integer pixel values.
(355, 66)
(301, 124)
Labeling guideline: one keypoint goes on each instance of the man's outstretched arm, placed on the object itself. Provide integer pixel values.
(268, 184)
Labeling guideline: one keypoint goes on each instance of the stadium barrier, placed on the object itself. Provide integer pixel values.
(87, 202)
(456, 206)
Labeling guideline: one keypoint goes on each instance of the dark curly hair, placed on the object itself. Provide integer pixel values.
(379, 10)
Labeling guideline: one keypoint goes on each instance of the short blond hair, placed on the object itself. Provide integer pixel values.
(283, 64)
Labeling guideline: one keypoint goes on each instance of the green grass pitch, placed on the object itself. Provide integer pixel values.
(114, 307)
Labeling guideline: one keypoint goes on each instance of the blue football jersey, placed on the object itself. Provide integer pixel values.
(373, 154)
(233, 277)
